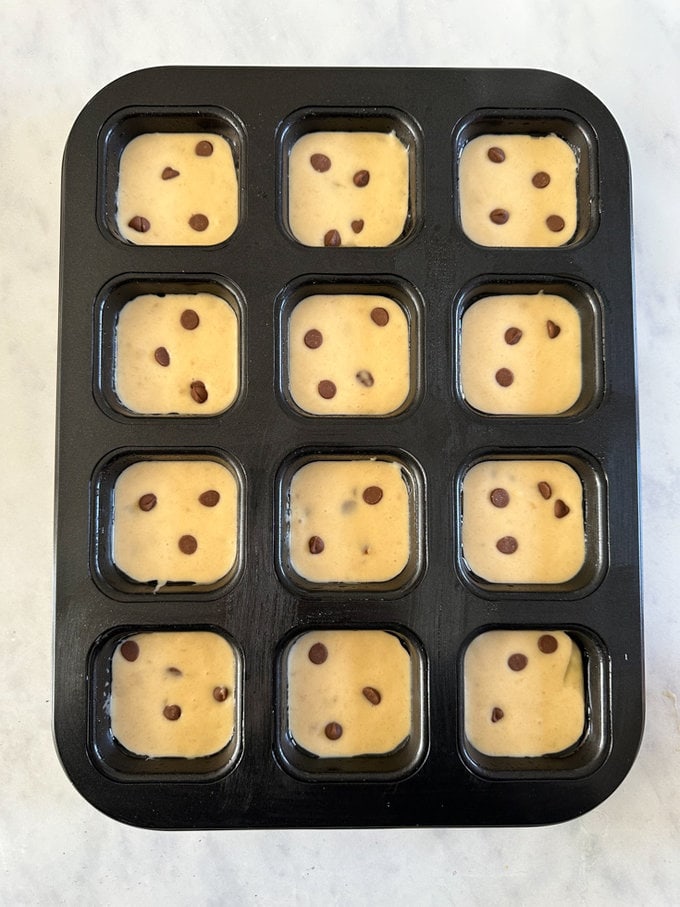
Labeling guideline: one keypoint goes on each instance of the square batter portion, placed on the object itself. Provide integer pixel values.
(173, 694)
(524, 693)
(518, 190)
(177, 189)
(523, 521)
(349, 692)
(348, 188)
(348, 355)
(175, 521)
(177, 353)
(521, 355)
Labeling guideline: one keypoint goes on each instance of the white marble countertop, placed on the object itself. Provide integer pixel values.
(54, 847)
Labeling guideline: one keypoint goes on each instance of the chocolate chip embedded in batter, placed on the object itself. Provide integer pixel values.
(169, 173)
(313, 339)
(364, 377)
(130, 650)
(199, 222)
(318, 653)
(220, 694)
(333, 730)
(496, 155)
(140, 224)
(507, 545)
(174, 671)
(372, 695)
(357, 225)
(504, 377)
(513, 335)
(545, 490)
(316, 544)
(380, 316)
(172, 712)
(552, 329)
(327, 389)
(204, 148)
(541, 179)
(517, 662)
(332, 238)
(555, 223)
(496, 714)
(547, 644)
(162, 356)
(147, 502)
(499, 216)
(189, 319)
(499, 497)
(560, 509)
(188, 544)
(210, 498)
(348, 506)
(320, 162)
(361, 178)
(198, 391)
(373, 494)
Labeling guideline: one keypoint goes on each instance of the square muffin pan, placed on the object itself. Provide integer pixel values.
(292, 532)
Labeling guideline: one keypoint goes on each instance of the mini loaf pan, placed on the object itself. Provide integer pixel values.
(434, 605)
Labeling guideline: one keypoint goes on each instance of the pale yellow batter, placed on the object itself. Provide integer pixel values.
(349, 692)
(348, 189)
(177, 189)
(523, 521)
(349, 355)
(350, 521)
(521, 355)
(524, 692)
(178, 353)
(173, 694)
(175, 521)
(518, 190)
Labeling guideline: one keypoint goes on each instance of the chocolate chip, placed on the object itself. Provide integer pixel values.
(332, 238)
(496, 714)
(175, 671)
(499, 216)
(147, 501)
(333, 730)
(318, 653)
(518, 662)
(507, 545)
(552, 329)
(198, 222)
(172, 712)
(198, 391)
(361, 178)
(547, 644)
(545, 490)
(204, 148)
(504, 377)
(497, 155)
(555, 223)
(210, 498)
(372, 695)
(162, 356)
(313, 339)
(189, 319)
(380, 316)
(140, 224)
(561, 509)
(513, 336)
(320, 162)
(130, 650)
(220, 694)
(499, 497)
(373, 494)
(540, 179)
(187, 544)
(365, 377)
(327, 389)
(169, 173)
(316, 544)
(357, 225)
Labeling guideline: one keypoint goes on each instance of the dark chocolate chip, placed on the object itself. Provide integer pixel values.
(497, 155)
(517, 662)
(189, 319)
(499, 216)
(555, 223)
(318, 653)
(199, 392)
(210, 498)
(204, 148)
(129, 650)
(361, 178)
(496, 714)
(504, 377)
(147, 502)
(547, 644)
(316, 544)
(320, 162)
(357, 225)
(162, 356)
(507, 545)
(365, 377)
(499, 497)
(545, 490)
(169, 173)
(198, 222)
(333, 730)
(372, 695)
(332, 238)
(175, 671)
(187, 544)
(373, 494)
(327, 389)
(220, 694)
(172, 712)
(512, 336)
(140, 224)
(540, 179)
(313, 339)
(552, 329)
(380, 316)
(561, 509)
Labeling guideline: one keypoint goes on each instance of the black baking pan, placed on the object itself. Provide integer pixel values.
(436, 603)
